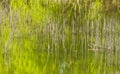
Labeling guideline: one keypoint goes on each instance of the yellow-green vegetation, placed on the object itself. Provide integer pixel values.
(59, 36)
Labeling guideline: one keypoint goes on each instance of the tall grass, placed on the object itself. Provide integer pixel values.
(58, 37)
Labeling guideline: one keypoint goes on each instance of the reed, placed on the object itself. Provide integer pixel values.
(59, 37)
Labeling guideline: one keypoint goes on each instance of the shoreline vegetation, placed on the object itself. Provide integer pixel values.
(59, 36)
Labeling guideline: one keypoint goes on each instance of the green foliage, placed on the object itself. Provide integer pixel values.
(51, 37)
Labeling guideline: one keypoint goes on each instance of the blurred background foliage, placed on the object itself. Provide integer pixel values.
(59, 36)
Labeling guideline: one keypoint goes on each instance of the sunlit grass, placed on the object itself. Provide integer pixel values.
(47, 37)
